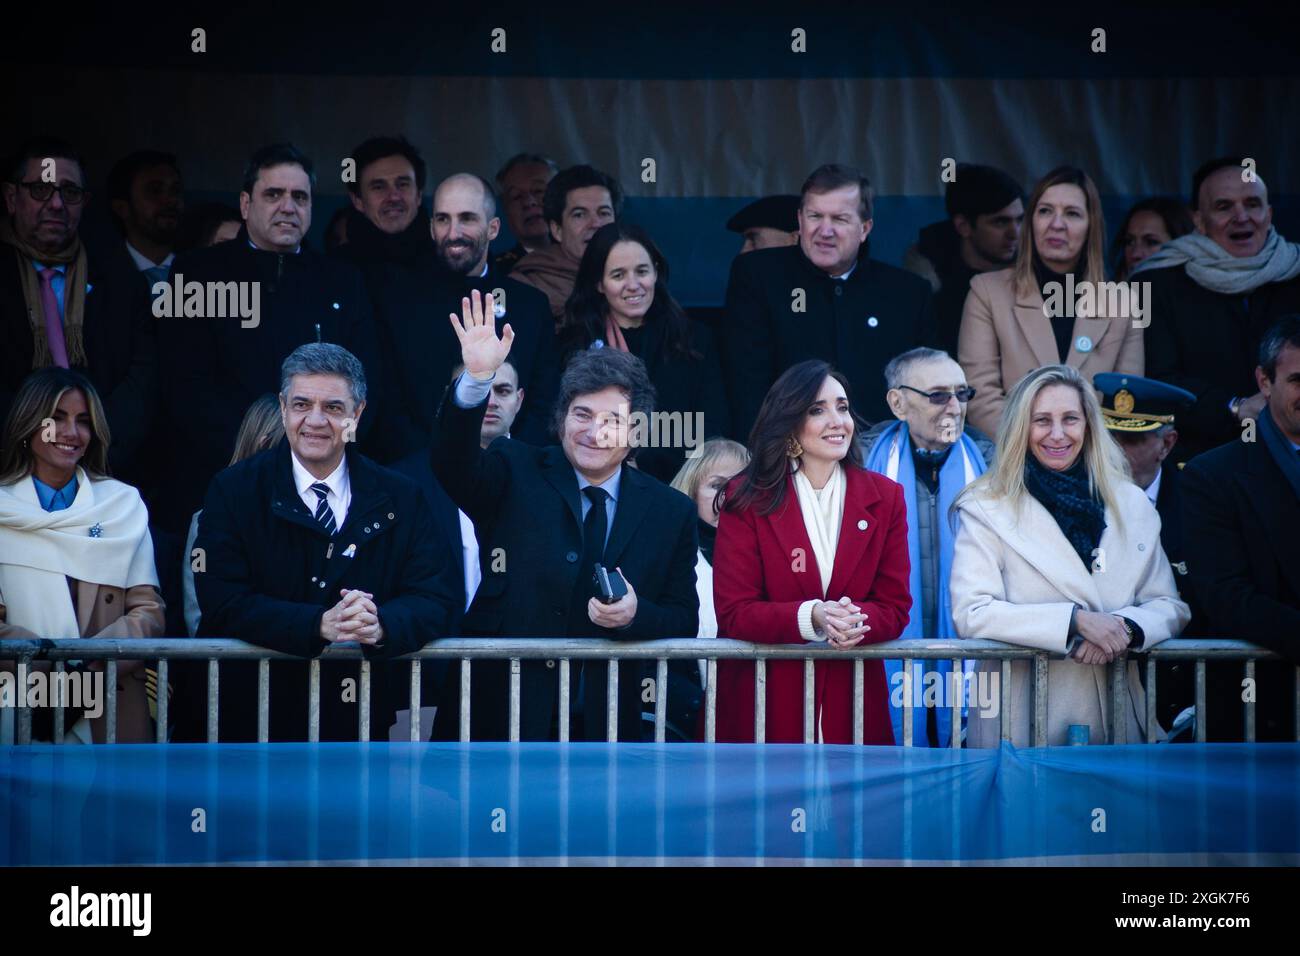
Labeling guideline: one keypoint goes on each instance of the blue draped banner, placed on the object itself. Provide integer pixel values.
(648, 804)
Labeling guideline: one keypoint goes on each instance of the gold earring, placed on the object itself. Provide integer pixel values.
(792, 447)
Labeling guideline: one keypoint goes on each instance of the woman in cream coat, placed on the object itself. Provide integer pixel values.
(1058, 550)
(76, 559)
(1006, 330)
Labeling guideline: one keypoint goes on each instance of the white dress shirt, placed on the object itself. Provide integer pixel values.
(1153, 489)
(143, 262)
(340, 494)
(469, 556)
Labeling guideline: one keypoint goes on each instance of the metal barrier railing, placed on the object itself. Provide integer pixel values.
(516, 650)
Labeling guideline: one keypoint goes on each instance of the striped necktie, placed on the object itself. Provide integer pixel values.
(324, 513)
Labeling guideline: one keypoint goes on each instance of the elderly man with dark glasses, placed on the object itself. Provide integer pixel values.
(932, 453)
(59, 307)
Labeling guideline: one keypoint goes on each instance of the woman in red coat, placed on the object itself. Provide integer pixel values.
(811, 547)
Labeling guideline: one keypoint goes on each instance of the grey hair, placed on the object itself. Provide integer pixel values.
(324, 358)
(598, 369)
(1283, 332)
(900, 364)
(536, 159)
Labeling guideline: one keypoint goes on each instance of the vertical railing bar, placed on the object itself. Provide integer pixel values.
(1250, 701)
(958, 691)
(110, 710)
(1200, 700)
(1118, 696)
(313, 700)
(58, 702)
(564, 700)
(414, 703)
(710, 701)
(809, 686)
(263, 700)
(1152, 726)
(909, 717)
(1295, 717)
(22, 713)
(1040, 697)
(1004, 699)
(611, 702)
(363, 712)
(514, 699)
(464, 699)
(163, 676)
(760, 700)
(214, 690)
(859, 688)
(661, 700)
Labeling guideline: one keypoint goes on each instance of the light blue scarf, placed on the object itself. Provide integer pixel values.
(892, 457)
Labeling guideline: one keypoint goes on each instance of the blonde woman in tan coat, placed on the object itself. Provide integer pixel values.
(1009, 327)
(76, 559)
(1058, 550)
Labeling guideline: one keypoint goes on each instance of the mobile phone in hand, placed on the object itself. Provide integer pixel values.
(610, 585)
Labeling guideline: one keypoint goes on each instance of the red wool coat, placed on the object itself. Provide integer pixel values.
(764, 568)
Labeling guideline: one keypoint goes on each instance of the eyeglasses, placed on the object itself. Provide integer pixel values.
(941, 397)
(39, 191)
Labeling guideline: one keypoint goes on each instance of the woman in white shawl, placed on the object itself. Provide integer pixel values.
(76, 559)
(1058, 550)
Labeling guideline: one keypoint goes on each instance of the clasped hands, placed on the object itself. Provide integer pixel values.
(1104, 637)
(844, 623)
(353, 618)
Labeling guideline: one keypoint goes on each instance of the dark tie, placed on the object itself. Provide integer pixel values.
(324, 514)
(156, 274)
(593, 548)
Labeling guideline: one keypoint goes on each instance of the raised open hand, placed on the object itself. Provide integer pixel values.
(480, 349)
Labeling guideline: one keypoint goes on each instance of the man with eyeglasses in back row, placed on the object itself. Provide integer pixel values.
(931, 451)
(59, 308)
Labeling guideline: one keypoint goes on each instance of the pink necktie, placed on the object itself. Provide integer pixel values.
(53, 321)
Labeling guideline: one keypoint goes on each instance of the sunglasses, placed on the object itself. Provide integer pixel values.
(942, 397)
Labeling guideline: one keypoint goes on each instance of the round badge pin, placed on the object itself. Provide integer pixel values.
(872, 321)
(1083, 343)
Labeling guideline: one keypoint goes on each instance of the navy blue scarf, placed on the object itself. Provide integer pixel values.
(1067, 498)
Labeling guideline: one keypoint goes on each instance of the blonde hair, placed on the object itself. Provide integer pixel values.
(1105, 462)
(694, 470)
(262, 428)
(36, 401)
(1091, 266)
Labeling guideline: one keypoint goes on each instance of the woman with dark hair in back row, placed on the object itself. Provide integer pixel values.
(621, 301)
(810, 547)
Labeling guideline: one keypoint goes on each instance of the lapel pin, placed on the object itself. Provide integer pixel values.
(1083, 343)
(862, 525)
(350, 551)
(872, 321)
(96, 530)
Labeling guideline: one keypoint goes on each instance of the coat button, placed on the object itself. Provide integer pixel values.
(108, 599)
(862, 525)
(872, 321)
(1142, 547)
(839, 288)
(313, 579)
(390, 516)
(366, 530)
(376, 525)
(571, 557)
(550, 663)
(322, 584)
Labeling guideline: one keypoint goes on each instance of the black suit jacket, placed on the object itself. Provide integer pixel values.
(857, 326)
(1208, 343)
(272, 572)
(530, 497)
(214, 368)
(412, 305)
(1242, 521)
(121, 352)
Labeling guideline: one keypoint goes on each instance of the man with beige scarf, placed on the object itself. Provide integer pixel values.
(58, 308)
